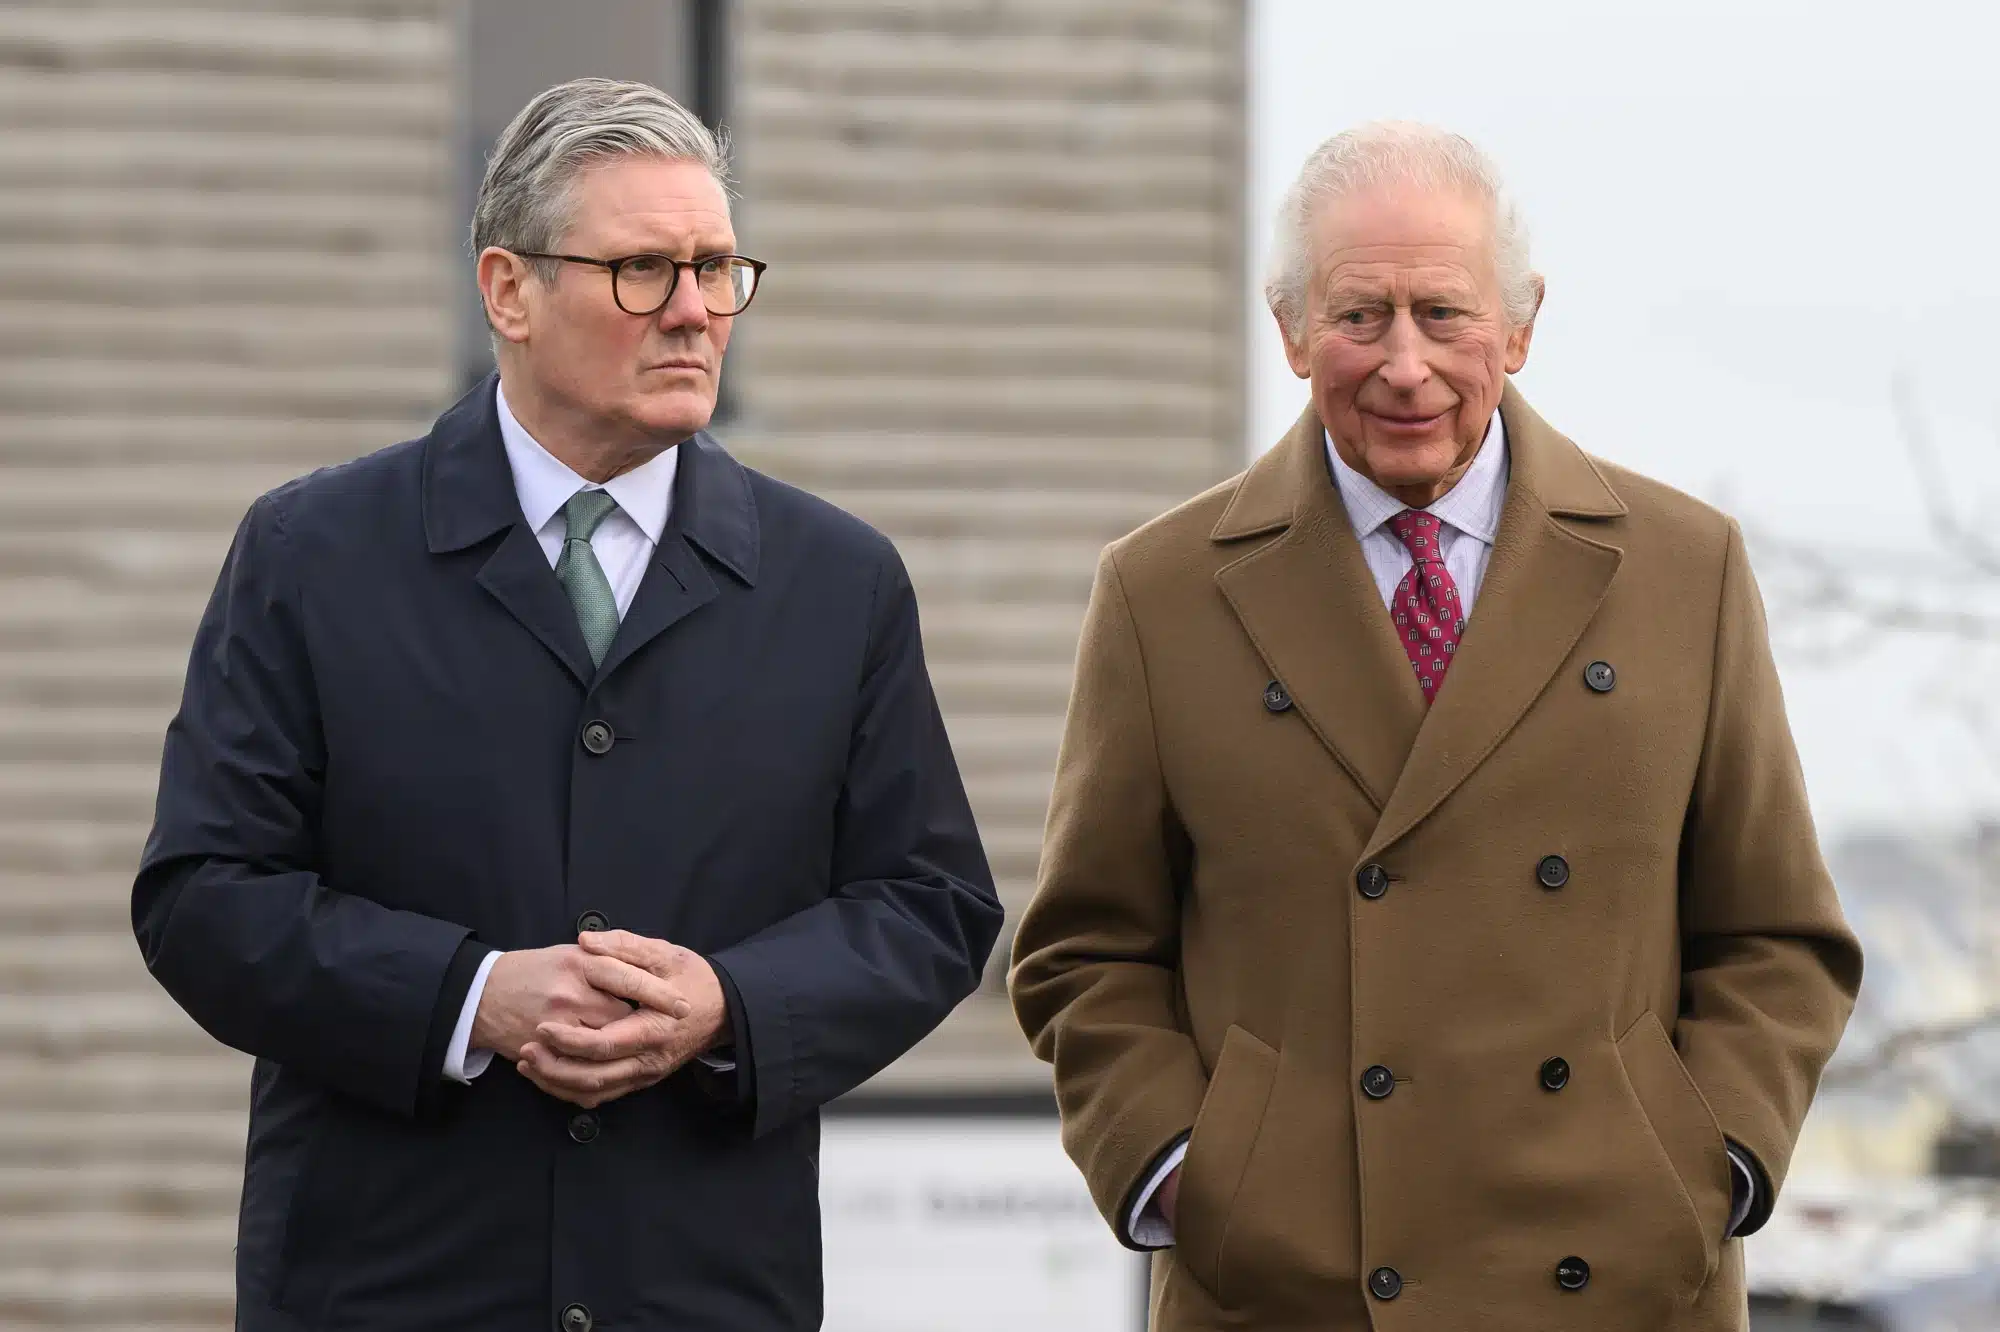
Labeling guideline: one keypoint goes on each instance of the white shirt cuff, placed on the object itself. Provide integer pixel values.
(461, 1064)
(1148, 1226)
(1748, 1179)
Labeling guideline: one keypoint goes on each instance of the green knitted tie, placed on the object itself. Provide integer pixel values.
(583, 577)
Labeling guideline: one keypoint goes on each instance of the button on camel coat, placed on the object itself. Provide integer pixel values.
(1270, 869)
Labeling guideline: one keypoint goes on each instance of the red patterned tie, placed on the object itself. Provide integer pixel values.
(1425, 608)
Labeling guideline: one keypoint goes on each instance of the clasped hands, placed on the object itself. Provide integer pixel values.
(601, 1018)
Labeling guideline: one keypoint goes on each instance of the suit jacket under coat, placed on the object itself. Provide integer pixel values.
(378, 771)
(1200, 953)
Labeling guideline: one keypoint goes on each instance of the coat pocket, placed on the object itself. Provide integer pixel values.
(1686, 1130)
(1225, 1132)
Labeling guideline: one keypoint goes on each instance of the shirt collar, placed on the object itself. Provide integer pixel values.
(1472, 506)
(544, 483)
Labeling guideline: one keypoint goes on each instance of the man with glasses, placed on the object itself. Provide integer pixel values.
(559, 810)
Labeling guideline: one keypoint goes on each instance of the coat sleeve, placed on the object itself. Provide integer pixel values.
(1769, 967)
(1096, 957)
(832, 995)
(230, 912)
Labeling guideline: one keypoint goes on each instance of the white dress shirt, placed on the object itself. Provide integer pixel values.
(1468, 515)
(623, 543)
(1469, 518)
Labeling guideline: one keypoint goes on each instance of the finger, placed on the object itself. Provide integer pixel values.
(616, 976)
(528, 1068)
(585, 1082)
(665, 960)
(637, 949)
(529, 1065)
(597, 1009)
(588, 1082)
(636, 1034)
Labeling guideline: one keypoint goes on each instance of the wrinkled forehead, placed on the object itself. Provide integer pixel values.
(643, 203)
(1385, 231)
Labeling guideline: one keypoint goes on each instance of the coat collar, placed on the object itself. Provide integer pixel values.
(469, 491)
(545, 484)
(469, 496)
(1471, 508)
(1310, 606)
(1558, 473)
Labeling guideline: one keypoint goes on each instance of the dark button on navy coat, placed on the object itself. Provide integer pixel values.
(377, 774)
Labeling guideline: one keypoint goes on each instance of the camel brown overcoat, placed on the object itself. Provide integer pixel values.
(1269, 868)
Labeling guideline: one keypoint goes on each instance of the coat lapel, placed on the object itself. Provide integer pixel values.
(1311, 608)
(517, 573)
(714, 513)
(468, 496)
(1546, 579)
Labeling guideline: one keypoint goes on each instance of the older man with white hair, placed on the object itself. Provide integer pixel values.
(1432, 933)
(561, 737)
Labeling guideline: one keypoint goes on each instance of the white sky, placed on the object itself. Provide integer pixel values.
(1751, 214)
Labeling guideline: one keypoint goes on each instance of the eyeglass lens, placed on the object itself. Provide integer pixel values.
(644, 283)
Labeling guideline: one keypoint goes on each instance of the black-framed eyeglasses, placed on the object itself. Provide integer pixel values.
(642, 284)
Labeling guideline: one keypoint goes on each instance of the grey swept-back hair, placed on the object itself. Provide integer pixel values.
(526, 200)
(1399, 153)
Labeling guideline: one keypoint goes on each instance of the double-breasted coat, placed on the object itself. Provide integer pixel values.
(1462, 1005)
(394, 754)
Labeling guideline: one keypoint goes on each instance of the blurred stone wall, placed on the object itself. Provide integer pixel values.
(1003, 323)
(224, 247)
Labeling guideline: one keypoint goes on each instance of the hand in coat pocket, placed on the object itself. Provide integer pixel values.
(676, 1011)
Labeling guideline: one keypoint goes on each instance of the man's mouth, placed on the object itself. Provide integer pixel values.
(1401, 421)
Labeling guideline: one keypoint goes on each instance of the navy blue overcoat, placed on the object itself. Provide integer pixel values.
(388, 760)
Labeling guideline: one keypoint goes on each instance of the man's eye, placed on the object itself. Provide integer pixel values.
(1355, 317)
(1439, 311)
(642, 265)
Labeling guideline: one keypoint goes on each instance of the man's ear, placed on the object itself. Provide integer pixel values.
(1521, 337)
(1295, 350)
(503, 282)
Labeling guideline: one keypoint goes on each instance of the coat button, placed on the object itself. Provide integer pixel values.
(1600, 676)
(1555, 1074)
(592, 922)
(583, 1127)
(1277, 698)
(1572, 1274)
(576, 1318)
(1552, 872)
(598, 736)
(1385, 1283)
(1372, 880)
(1377, 1082)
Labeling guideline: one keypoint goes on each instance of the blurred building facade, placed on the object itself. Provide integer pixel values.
(1003, 322)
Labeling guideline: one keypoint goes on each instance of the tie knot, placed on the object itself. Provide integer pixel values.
(585, 510)
(1418, 531)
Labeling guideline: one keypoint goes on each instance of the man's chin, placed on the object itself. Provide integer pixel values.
(675, 414)
(1400, 464)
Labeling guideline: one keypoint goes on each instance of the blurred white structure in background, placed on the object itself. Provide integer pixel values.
(1915, 1255)
(976, 1222)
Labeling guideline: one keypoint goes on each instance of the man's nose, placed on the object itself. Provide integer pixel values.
(685, 309)
(1407, 363)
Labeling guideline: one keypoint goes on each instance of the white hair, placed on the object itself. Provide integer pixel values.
(525, 199)
(1399, 153)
